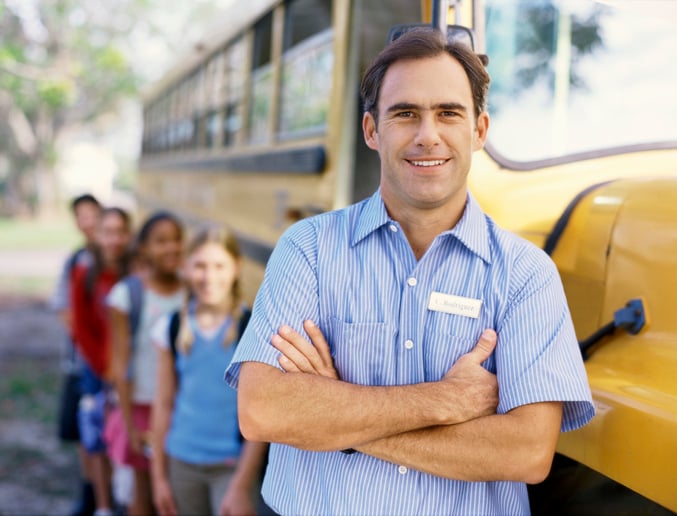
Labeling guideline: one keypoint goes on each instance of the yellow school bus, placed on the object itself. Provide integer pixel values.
(260, 126)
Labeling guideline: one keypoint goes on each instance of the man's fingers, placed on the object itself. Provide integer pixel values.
(485, 346)
(288, 365)
(299, 355)
(318, 340)
(288, 346)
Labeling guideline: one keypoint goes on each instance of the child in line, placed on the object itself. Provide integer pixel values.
(86, 210)
(200, 463)
(159, 242)
(91, 283)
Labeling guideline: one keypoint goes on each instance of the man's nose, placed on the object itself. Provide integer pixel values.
(427, 134)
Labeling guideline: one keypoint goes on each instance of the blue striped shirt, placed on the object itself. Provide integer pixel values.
(354, 273)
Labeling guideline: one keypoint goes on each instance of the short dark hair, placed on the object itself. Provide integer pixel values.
(421, 43)
(152, 221)
(82, 199)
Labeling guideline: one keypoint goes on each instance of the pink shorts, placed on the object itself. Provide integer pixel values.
(117, 440)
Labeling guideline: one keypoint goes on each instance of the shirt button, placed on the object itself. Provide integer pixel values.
(393, 228)
(402, 470)
(411, 282)
(408, 344)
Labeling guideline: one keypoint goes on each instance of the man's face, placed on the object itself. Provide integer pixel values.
(87, 218)
(426, 134)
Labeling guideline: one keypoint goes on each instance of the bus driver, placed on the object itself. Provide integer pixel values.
(402, 286)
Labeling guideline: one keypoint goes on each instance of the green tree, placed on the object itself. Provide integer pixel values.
(61, 64)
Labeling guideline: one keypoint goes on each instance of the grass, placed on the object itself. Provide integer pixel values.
(34, 236)
(54, 478)
(28, 390)
(57, 233)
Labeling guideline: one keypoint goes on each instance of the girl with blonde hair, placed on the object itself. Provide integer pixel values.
(200, 463)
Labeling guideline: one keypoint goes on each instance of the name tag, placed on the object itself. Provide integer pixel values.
(456, 305)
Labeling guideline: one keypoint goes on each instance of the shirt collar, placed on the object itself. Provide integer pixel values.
(471, 230)
(372, 216)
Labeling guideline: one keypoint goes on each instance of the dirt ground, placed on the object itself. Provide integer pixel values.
(38, 474)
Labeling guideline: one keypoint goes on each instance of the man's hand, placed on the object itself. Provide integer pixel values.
(300, 356)
(479, 387)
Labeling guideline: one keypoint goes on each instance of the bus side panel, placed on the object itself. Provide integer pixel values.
(633, 437)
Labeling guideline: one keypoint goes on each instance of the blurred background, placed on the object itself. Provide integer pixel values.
(71, 74)
(250, 117)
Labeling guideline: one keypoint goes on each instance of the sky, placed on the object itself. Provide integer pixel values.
(152, 56)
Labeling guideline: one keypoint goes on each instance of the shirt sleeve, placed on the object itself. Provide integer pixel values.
(60, 298)
(118, 297)
(288, 295)
(159, 333)
(537, 354)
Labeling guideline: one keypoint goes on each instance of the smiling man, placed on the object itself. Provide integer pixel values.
(443, 362)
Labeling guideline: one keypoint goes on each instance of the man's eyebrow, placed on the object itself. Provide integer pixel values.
(451, 106)
(408, 106)
(402, 106)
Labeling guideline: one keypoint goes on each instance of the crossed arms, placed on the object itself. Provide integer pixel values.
(447, 428)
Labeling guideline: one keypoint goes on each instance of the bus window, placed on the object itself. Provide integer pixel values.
(187, 125)
(212, 128)
(234, 80)
(212, 89)
(306, 68)
(578, 76)
(262, 81)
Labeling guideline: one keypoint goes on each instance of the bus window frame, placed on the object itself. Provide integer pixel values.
(319, 39)
(529, 166)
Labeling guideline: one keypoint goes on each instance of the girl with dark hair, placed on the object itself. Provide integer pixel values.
(91, 282)
(201, 465)
(135, 304)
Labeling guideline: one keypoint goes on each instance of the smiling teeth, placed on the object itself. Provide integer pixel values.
(428, 163)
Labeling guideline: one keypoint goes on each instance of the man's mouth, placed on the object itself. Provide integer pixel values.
(427, 163)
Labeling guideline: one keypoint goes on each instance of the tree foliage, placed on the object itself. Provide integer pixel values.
(526, 47)
(61, 63)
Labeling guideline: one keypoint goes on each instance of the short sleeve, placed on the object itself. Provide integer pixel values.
(60, 298)
(288, 295)
(537, 354)
(118, 297)
(159, 333)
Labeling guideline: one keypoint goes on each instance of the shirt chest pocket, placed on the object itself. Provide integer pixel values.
(363, 353)
(448, 337)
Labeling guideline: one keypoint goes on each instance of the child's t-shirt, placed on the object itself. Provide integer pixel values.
(195, 436)
(144, 356)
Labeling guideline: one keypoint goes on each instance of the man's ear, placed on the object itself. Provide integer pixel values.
(481, 130)
(369, 130)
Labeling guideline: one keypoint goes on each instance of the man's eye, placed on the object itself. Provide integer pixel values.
(449, 114)
(405, 114)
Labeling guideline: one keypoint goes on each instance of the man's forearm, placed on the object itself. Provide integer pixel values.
(317, 413)
(517, 446)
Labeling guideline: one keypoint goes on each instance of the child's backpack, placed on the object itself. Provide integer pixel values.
(135, 288)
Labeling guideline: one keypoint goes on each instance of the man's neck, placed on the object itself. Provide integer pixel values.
(421, 227)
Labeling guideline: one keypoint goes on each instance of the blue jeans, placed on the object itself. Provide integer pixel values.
(91, 411)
